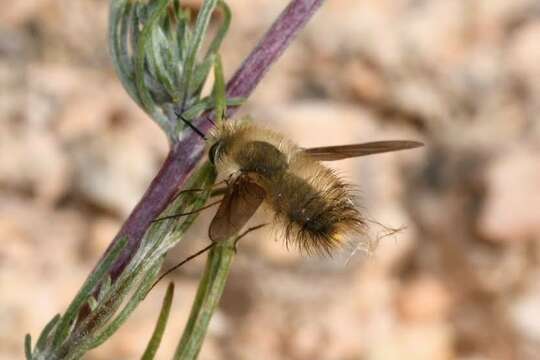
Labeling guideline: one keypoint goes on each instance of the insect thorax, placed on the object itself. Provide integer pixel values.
(262, 158)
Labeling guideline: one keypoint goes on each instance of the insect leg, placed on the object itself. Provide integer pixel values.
(189, 258)
(187, 213)
(215, 192)
(253, 228)
(202, 251)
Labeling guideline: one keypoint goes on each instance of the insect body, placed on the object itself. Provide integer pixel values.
(313, 205)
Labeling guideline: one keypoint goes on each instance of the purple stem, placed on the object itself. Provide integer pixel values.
(185, 154)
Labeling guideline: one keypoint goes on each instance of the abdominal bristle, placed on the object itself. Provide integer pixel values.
(318, 214)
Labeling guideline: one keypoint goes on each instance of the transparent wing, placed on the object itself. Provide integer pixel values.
(331, 153)
(241, 200)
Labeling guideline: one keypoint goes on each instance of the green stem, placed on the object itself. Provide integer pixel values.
(207, 299)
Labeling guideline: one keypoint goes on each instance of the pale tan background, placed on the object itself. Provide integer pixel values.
(462, 281)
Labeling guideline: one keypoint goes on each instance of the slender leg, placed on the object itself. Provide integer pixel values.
(189, 258)
(215, 192)
(202, 251)
(253, 228)
(187, 213)
(197, 190)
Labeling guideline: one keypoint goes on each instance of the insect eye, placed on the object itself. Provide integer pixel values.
(213, 153)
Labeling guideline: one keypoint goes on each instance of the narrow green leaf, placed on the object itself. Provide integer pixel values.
(159, 94)
(143, 45)
(121, 14)
(42, 340)
(135, 26)
(208, 103)
(151, 67)
(86, 291)
(219, 90)
(157, 335)
(184, 36)
(200, 75)
(28, 347)
(203, 19)
(197, 109)
(172, 33)
(159, 43)
(223, 29)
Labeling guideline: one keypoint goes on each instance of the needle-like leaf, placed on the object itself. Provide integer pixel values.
(157, 335)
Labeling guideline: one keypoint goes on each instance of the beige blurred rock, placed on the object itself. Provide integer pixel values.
(315, 123)
(510, 211)
(62, 81)
(358, 27)
(91, 102)
(367, 84)
(102, 232)
(113, 170)
(71, 35)
(16, 13)
(524, 49)
(270, 243)
(33, 160)
(493, 15)
(424, 300)
(525, 310)
(419, 98)
(433, 33)
(16, 247)
(37, 247)
(88, 111)
(421, 342)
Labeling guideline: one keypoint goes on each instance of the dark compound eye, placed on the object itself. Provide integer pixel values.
(213, 153)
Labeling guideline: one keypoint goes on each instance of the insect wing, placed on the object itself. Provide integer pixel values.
(331, 153)
(242, 199)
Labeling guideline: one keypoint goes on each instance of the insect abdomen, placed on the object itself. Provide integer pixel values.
(315, 219)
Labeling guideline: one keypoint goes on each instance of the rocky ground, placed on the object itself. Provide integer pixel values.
(461, 281)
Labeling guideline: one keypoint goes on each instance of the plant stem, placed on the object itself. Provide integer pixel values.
(207, 299)
(187, 152)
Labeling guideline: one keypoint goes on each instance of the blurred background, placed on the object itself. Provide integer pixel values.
(460, 281)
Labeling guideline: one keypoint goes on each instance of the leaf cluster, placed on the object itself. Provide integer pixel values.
(157, 50)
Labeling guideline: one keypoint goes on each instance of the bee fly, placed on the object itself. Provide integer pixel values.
(313, 206)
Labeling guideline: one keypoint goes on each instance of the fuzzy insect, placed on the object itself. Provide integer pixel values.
(312, 204)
